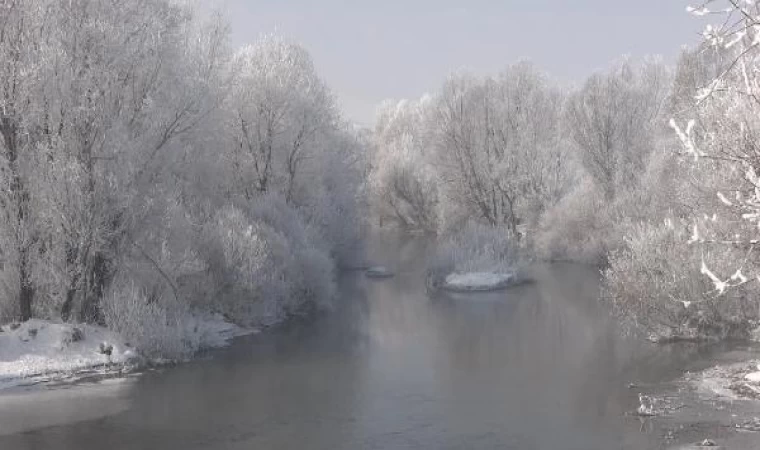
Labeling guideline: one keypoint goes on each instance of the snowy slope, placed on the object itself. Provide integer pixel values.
(39, 351)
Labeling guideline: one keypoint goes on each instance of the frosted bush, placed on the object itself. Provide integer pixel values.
(155, 326)
(335, 208)
(578, 228)
(273, 211)
(655, 286)
(475, 247)
(407, 194)
(314, 279)
(266, 264)
(309, 270)
(246, 261)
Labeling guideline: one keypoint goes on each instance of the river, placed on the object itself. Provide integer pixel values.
(538, 366)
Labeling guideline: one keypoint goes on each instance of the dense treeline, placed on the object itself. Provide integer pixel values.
(147, 169)
(646, 170)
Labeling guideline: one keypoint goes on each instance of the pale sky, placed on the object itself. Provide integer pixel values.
(368, 51)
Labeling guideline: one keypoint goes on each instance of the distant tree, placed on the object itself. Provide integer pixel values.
(404, 184)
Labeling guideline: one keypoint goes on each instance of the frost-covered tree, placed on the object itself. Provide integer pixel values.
(23, 34)
(692, 276)
(403, 180)
(612, 121)
(279, 110)
(127, 81)
(146, 170)
(497, 143)
(720, 134)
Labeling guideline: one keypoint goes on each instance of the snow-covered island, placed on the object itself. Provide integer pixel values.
(478, 281)
(475, 258)
(38, 351)
(378, 272)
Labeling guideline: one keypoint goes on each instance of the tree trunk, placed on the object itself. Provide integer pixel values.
(9, 131)
(26, 291)
(96, 283)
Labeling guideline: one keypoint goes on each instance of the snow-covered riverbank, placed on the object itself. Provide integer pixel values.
(733, 381)
(41, 351)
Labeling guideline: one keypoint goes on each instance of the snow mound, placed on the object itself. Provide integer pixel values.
(37, 351)
(378, 272)
(478, 281)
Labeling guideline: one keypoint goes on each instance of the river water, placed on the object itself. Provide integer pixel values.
(539, 366)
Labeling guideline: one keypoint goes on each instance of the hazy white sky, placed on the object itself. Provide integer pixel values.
(368, 51)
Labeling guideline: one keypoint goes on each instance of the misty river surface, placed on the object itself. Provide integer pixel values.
(535, 367)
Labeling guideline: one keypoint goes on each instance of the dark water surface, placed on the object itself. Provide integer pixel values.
(535, 367)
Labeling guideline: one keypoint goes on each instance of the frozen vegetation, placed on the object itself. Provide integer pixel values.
(476, 257)
(160, 186)
(646, 170)
(157, 175)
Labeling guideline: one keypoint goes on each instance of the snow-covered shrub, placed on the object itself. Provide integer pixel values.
(334, 204)
(406, 193)
(475, 247)
(577, 228)
(336, 213)
(309, 269)
(313, 280)
(155, 326)
(657, 287)
(265, 263)
(403, 183)
(246, 261)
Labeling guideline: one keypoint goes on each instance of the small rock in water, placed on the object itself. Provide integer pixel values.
(15, 326)
(32, 333)
(707, 443)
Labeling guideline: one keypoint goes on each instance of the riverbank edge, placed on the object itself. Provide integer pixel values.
(42, 352)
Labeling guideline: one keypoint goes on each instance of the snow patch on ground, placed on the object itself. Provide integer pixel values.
(39, 351)
(477, 281)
